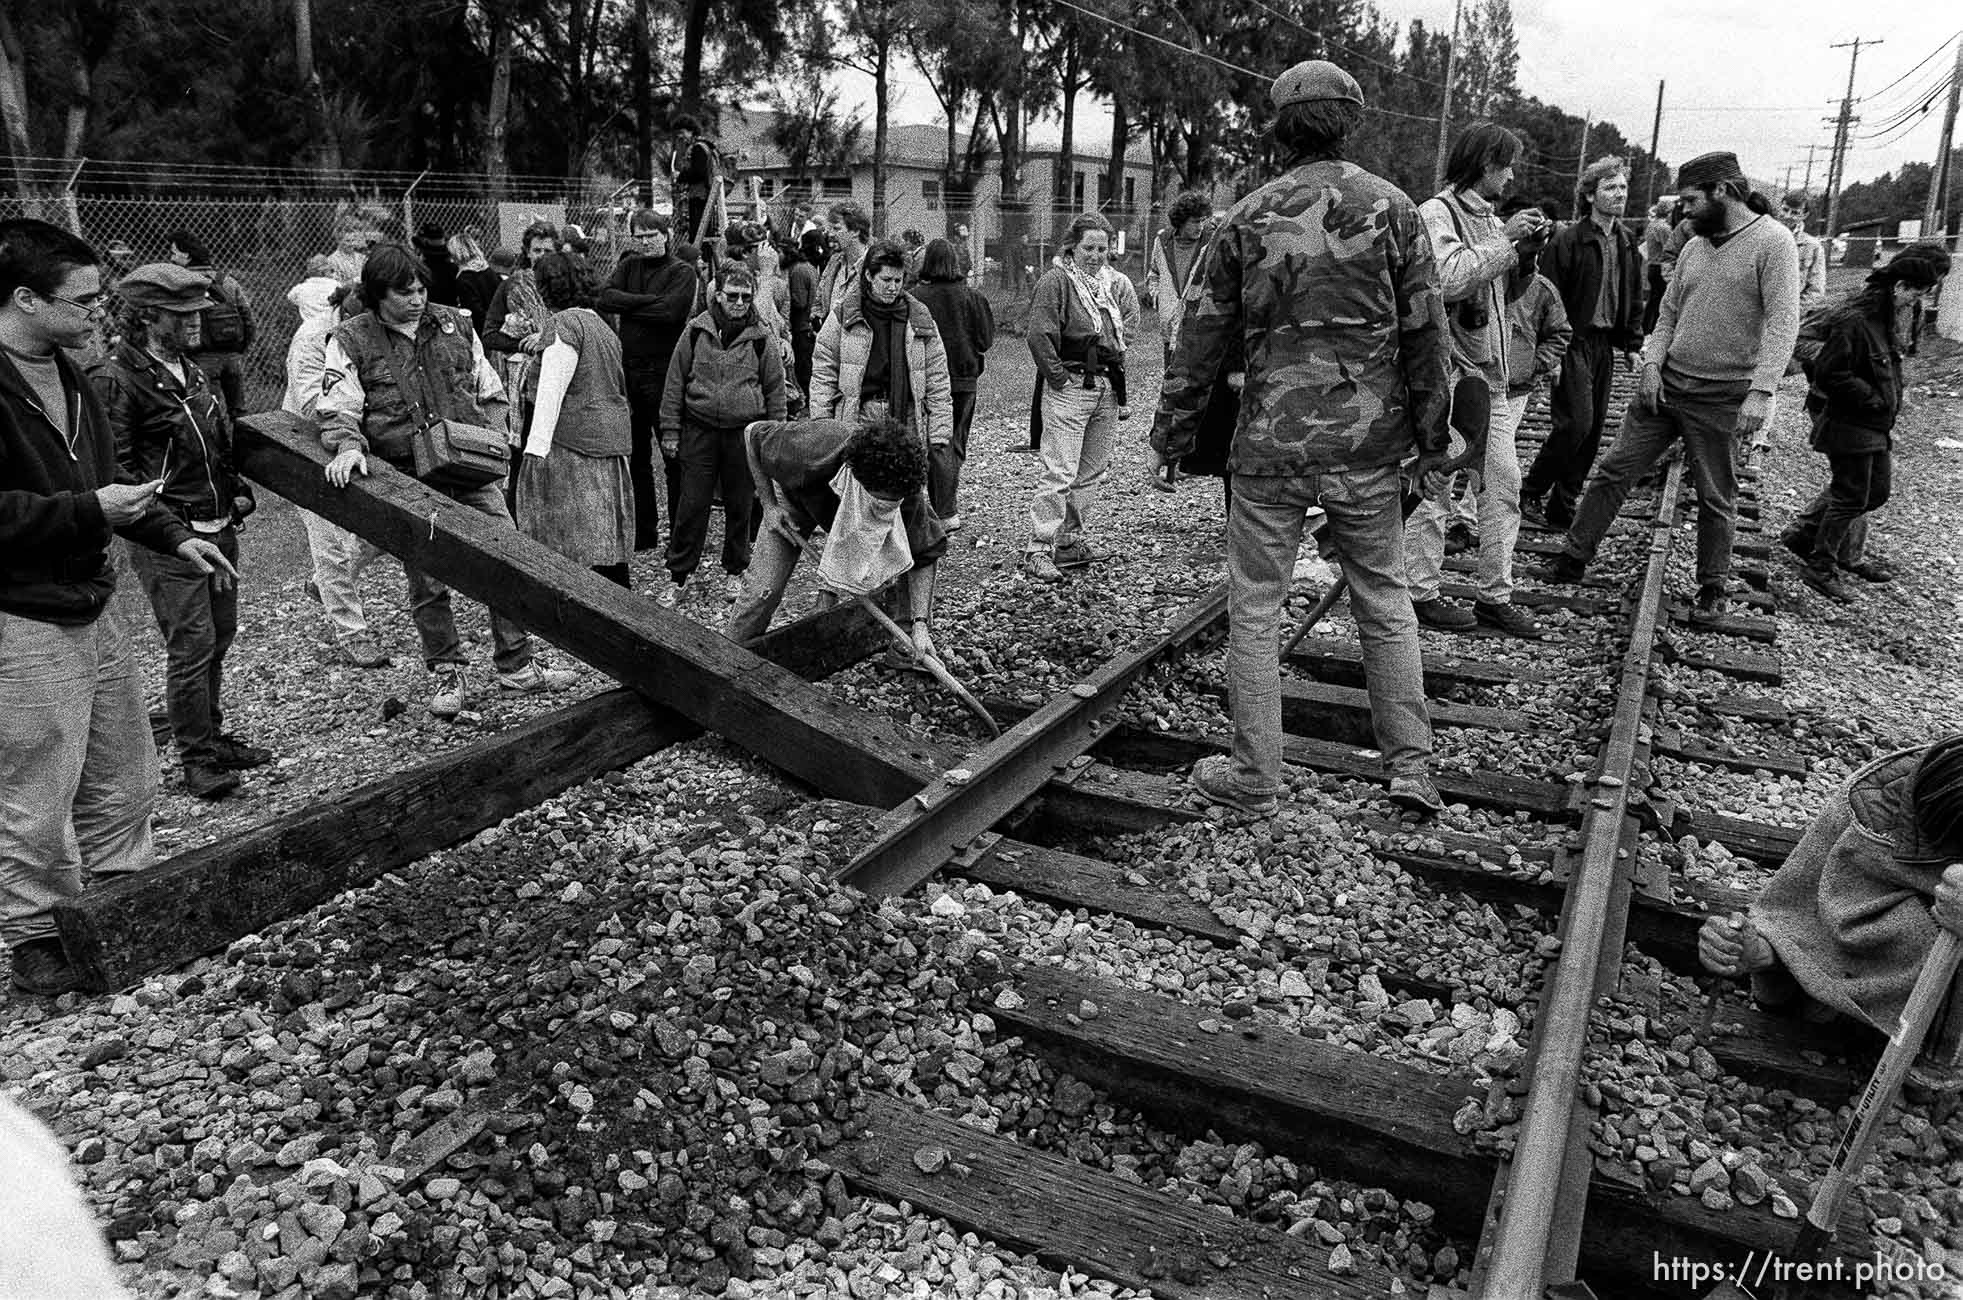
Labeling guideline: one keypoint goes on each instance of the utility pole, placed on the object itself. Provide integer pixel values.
(1935, 215)
(1655, 131)
(1445, 107)
(1786, 187)
(1581, 154)
(1807, 184)
(1842, 134)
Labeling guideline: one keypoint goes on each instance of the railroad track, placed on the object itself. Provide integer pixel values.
(1504, 1151)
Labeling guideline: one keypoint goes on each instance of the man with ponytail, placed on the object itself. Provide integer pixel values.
(1710, 368)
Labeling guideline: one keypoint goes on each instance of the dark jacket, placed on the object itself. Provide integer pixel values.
(723, 388)
(967, 326)
(179, 432)
(802, 457)
(475, 289)
(803, 280)
(653, 297)
(1857, 384)
(54, 542)
(1573, 261)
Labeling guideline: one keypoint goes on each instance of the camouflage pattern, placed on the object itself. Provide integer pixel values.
(1325, 276)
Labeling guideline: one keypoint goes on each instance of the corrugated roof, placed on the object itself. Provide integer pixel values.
(746, 132)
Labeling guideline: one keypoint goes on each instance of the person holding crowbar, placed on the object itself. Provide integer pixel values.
(863, 481)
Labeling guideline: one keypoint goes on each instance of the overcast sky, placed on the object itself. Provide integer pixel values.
(1757, 78)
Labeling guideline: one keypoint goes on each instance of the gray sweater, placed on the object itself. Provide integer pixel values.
(1731, 311)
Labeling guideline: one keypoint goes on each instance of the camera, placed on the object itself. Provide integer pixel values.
(1473, 314)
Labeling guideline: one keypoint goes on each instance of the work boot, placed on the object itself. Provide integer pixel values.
(1213, 776)
(1075, 552)
(448, 700)
(1824, 580)
(1562, 568)
(1509, 618)
(1415, 791)
(362, 651)
(208, 780)
(1444, 615)
(1871, 570)
(234, 755)
(535, 677)
(42, 969)
(1041, 565)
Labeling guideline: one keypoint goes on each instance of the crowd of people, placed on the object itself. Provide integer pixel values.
(1371, 367)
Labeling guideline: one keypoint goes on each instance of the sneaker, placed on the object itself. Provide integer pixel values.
(1871, 570)
(208, 780)
(952, 523)
(1415, 791)
(1823, 580)
(1712, 601)
(1041, 565)
(1508, 618)
(535, 677)
(42, 970)
(1562, 568)
(670, 595)
(732, 587)
(448, 700)
(363, 652)
(235, 755)
(1213, 776)
(1444, 615)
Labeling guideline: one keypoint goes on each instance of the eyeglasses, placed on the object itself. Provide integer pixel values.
(736, 297)
(88, 306)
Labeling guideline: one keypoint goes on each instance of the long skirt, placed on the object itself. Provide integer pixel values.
(581, 506)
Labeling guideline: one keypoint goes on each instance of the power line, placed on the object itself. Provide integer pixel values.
(1349, 50)
(1940, 49)
(1914, 112)
(1935, 85)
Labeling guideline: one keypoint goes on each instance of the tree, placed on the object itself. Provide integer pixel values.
(874, 30)
(809, 130)
(962, 50)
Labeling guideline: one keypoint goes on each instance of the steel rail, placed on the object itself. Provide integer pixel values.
(922, 835)
(1534, 1192)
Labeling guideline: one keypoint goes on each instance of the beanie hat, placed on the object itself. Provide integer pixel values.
(1936, 794)
(1710, 169)
(1919, 265)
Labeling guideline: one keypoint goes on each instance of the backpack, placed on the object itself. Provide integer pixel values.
(223, 325)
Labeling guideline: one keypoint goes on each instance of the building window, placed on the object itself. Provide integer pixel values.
(837, 187)
(930, 193)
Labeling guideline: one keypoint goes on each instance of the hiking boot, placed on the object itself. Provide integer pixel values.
(208, 780)
(1459, 539)
(234, 755)
(448, 701)
(1799, 543)
(1562, 568)
(1509, 618)
(732, 587)
(362, 651)
(535, 678)
(1871, 570)
(670, 595)
(1074, 552)
(1213, 776)
(1444, 615)
(42, 969)
(1415, 791)
(1823, 580)
(1041, 565)
(1713, 601)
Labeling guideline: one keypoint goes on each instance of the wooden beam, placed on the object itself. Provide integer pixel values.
(1678, 744)
(1343, 713)
(199, 901)
(1733, 663)
(1070, 1214)
(839, 750)
(1340, 663)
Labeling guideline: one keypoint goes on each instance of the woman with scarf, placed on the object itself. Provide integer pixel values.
(574, 491)
(880, 345)
(727, 371)
(514, 327)
(1082, 314)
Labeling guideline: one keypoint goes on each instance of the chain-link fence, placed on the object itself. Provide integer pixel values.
(265, 239)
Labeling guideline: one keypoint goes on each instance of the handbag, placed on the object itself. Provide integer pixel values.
(449, 453)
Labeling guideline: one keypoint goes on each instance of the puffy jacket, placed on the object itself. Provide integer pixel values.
(1573, 260)
(838, 365)
(177, 431)
(723, 387)
(1341, 321)
(1857, 384)
(54, 542)
(1537, 335)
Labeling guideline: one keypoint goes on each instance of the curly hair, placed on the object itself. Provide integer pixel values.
(885, 455)
(566, 281)
(1188, 205)
(540, 229)
(1084, 224)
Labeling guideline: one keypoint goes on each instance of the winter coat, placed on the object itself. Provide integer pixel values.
(1341, 322)
(177, 431)
(838, 366)
(1573, 260)
(54, 541)
(1537, 335)
(723, 388)
(1857, 385)
(966, 324)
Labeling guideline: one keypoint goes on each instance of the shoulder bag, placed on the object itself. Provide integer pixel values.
(447, 453)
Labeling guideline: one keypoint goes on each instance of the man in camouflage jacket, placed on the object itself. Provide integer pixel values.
(1325, 278)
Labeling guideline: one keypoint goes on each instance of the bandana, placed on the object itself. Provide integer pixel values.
(866, 546)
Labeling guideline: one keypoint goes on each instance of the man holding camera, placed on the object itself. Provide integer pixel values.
(1475, 254)
(1596, 265)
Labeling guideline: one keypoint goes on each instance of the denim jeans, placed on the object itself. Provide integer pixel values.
(1080, 427)
(199, 623)
(339, 557)
(1703, 413)
(772, 561)
(1264, 532)
(429, 600)
(78, 770)
(1499, 500)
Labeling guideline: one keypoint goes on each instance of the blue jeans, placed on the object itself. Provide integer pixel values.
(199, 623)
(429, 600)
(1264, 533)
(1080, 427)
(1704, 414)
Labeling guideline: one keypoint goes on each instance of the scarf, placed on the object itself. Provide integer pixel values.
(866, 546)
(1094, 296)
(887, 377)
(728, 328)
(525, 312)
